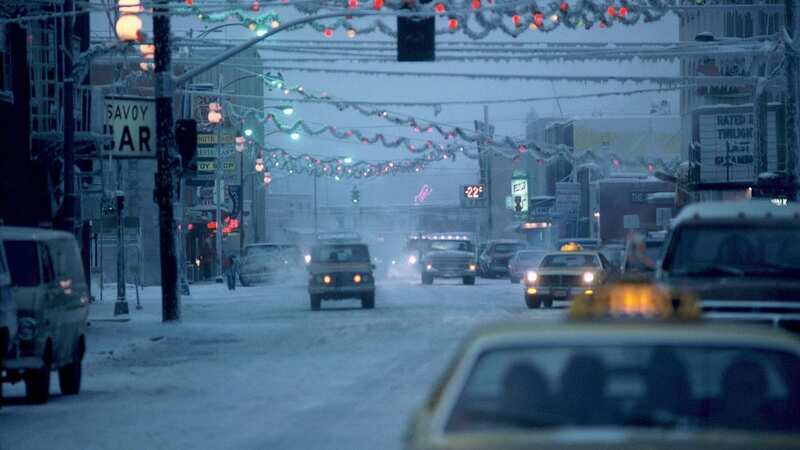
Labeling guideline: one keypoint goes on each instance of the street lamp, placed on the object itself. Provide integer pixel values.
(248, 132)
(295, 136)
(239, 141)
(267, 178)
(259, 165)
(214, 113)
(288, 111)
(129, 28)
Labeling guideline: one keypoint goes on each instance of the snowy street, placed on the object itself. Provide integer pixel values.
(256, 369)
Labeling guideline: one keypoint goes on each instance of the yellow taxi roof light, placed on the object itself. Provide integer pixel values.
(635, 300)
(571, 247)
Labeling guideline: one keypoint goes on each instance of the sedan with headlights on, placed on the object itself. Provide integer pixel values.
(563, 276)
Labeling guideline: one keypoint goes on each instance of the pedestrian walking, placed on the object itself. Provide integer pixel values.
(229, 267)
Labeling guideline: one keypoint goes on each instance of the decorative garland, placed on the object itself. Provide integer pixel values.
(512, 18)
(305, 163)
(350, 134)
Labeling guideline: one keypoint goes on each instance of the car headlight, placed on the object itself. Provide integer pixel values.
(412, 259)
(588, 277)
(429, 266)
(327, 279)
(26, 329)
(532, 277)
(307, 259)
(472, 267)
(357, 278)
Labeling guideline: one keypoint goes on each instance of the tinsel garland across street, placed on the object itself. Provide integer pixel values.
(337, 167)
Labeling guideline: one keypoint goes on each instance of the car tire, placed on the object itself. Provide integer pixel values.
(533, 302)
(468, 280)
(37, 382)
(427, 279)
(547, 302)
(69, 376)
(368, 301)
(316, 302)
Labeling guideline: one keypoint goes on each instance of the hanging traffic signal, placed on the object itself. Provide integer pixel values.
(186, 140)
(355, 196)
(416, 37)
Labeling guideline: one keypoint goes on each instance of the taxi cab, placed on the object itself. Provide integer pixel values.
(569, 273)
(631, 368)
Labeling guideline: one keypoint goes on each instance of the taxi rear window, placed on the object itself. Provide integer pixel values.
(658, 386)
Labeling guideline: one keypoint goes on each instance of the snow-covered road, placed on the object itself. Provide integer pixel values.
(257, 370)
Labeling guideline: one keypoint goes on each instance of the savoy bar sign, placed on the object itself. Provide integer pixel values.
(131, 122)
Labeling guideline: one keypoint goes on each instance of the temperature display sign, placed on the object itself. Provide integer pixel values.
(473, 191)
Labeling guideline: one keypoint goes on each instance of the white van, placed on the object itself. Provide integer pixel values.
(49, 288)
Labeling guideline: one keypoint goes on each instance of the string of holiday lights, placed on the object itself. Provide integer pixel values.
(418, 125)
(341, 168)
(349, 134)
(512, 18)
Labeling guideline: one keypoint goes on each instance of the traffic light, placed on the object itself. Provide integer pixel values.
(416, 37)
(355, 196)
(186, 140)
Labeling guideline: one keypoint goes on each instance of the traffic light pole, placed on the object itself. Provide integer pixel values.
(165, 186)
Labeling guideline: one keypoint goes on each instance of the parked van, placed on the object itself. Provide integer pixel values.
(8, 314)
(49, 288)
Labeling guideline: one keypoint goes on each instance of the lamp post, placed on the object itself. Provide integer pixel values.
(215, 118)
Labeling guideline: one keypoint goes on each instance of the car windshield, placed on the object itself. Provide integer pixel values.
(529, 257)
(643, 256)
(345, 253)
(569, 260)
(679, 387)
(507, 248)
(736, 251)
(23, 262)
(461, 246)
(258, 250)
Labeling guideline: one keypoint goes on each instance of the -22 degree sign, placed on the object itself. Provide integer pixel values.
(131, 121)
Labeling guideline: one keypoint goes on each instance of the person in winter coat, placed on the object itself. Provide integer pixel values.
(230, 269)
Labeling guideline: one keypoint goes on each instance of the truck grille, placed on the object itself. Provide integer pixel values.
(450, 263)
(560, 280)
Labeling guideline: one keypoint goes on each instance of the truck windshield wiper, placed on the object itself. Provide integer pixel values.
(710, 271)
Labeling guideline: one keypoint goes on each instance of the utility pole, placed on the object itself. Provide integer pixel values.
(241, 203)
(760, 127)
(316, 225)
(790, 19)
(68, 208)
(486, 156)
(165, 141)
(121, 305)
(219, 192)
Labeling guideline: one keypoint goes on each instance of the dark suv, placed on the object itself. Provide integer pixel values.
(340, 270)
(494, 260)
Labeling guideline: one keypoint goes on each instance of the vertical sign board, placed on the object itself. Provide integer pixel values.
(519, 194)
(725, 138)
(131, 122)
(568, 198)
